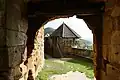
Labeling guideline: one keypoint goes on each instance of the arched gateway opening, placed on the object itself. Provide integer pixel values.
(68, 46)
(38, 15)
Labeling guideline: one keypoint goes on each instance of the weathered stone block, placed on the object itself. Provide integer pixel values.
(114, 55)
(24, 70)
(30, 63)
(115, 38)
(105, 51)
(106, 38)
(3, 59)
(24, 55)
(18, 25)
(36, 61)
(15, 38)
(23, 26)
(15, 55)
(2, 37)
(15, 20)
(115, 11)
(2, 78)
(107, 30)
(116, 23)
(112, 73)
(103, 75)
(2, 5)
(108, 24)
(4, 75)
(2, 18)
(109, 5)
(15, 73)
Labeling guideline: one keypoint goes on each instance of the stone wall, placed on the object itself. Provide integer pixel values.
(78, 52)
(36, 61)
(16, 28)
(15, 64)
(111, 41)
(106, 54)
(3, 49)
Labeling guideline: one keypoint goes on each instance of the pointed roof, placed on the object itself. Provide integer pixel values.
(65, 32)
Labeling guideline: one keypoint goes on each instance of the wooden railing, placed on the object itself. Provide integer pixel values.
(79, 52)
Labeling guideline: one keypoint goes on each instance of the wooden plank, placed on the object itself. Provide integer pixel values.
(61, 8)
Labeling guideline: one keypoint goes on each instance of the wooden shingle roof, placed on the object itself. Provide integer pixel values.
(65, 32)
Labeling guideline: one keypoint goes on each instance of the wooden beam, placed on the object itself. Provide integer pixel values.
(62, 8)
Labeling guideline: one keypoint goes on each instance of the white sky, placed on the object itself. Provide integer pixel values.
(76, 24)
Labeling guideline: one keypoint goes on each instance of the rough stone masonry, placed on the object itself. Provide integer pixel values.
(15, 64)
(22, 47)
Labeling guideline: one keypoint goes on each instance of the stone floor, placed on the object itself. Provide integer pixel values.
(70, 76)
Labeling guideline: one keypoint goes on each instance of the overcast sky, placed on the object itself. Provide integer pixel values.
(76, 24)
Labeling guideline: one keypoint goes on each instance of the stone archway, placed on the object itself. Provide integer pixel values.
(19, 34)
(15, 25)
(97, 40)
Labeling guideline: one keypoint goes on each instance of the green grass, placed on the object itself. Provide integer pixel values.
(51, 68)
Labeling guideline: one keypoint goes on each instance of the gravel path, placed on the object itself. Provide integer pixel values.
(70, 76)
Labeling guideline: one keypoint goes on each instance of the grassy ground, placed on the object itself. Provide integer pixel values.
(53, 66)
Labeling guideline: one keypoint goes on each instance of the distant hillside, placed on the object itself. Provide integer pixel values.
(48, 30)
(84, 44)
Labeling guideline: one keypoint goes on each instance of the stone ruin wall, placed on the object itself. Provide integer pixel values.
(14, 62)
(3, 49)
(110, 66)
(13, 43)
(36, 61)
(111, 41)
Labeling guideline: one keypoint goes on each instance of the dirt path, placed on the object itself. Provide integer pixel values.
(70, 76)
